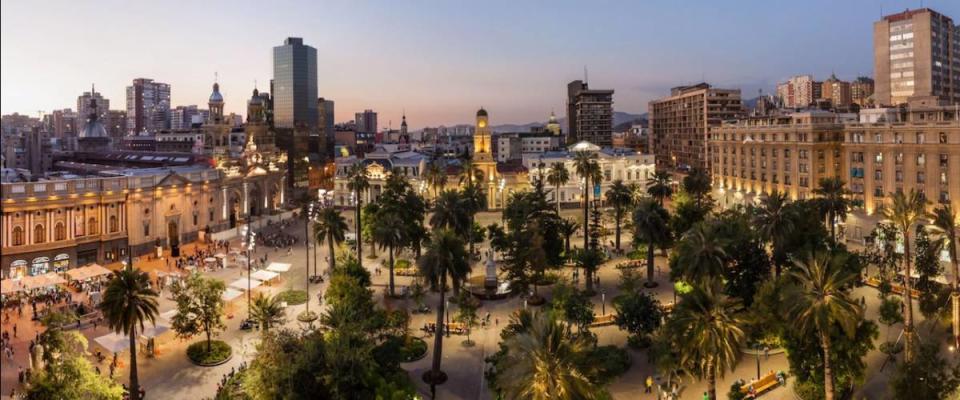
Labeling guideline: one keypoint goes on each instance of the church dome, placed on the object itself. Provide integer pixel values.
(216, 97)
(256, 99)
(482, 112)
(93, 128)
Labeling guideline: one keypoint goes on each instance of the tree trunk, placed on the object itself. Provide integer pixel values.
(438, 336)
(908, 310)
(711, 381)
(558, 199)
(134, 379)
(470, 235)
(359, 236)
(827, 369)
(833, 227)
(586, 209)
(650, 263)
(619, 216)
(390, 252)
(588, 273)
(208, 339)
(955, 296)
(333, 262)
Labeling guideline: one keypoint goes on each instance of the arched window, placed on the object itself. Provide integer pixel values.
(39, 234)
(113, 224)
(60, 231)
(17, 236)
(92, 226)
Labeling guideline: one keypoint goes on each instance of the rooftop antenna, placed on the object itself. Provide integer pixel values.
(216, 77)
(254, 83)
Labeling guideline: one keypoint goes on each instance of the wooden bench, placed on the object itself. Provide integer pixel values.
(603, 320)
(760, 386)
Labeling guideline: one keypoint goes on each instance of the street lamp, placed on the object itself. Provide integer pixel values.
(446, 311)
(758, 361)
(248, 246)
(603, 302)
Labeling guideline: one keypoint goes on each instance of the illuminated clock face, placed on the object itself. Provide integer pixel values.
(482, 124)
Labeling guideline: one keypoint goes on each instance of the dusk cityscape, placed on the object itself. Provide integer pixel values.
(500, 200)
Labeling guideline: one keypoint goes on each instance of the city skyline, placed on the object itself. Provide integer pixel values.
(438, 64)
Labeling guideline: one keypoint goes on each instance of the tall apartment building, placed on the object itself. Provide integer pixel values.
(116, 123)
(861, 91)
(62, 124)
(327, 120)
(184, 117)
(294, 84)
(787, 153)
(366, 122)
(148, 106)
(916, 53)
(83, 105)
(799, 91)
(838, 92)
(680, 123)
(589, 114)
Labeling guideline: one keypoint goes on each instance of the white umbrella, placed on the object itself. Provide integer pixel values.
(278, 267)
(114, 342)
(231, 294)
(242, 283)
(264, 275)
(10, 286)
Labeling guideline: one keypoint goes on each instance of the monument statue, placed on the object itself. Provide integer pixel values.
(490, 278)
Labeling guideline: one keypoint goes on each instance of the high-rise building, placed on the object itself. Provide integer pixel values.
(366, 122)
(589, 114)
(680, 123)
(294, 84)
(83, 104)
(838, 92)
(861, 90)
(327, 118)
(116, 122)
(915, 53)
(185, 117)
(62, 123)
(148, 106)
(799, 91)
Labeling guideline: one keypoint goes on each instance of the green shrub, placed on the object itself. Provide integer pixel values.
(219, 352)
(398, 349)
(610, 362)
(735, 393)
(293, 297)
(402, 264)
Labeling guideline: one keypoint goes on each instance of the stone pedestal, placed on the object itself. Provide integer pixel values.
(490, 276)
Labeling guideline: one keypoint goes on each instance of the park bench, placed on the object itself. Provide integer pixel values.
(603, 320)
(761, 386)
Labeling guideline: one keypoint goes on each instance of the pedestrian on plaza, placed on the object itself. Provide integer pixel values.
(112, 369)
(20, 375)
(14, 330)
(649, 384)
(766, 352)
(706, 396)
(97, 368)
(27, 374)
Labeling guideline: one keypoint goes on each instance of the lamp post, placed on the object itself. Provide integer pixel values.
(446, 311)
(758, 361)
(603, 302)
(248, 245)
(306, 237)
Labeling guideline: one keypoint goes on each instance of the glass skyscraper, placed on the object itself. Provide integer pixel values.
(295, 84)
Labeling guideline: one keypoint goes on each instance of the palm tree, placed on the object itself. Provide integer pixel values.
(448, 212)
(706, 324)
(558, 176)
(127, 303)
(388, 232)
(330, 227)
(620, 196)
(650, 225)
(774, 221)
(436, 176)
(945, 225)
(587, 169)
(701, 254)
(905, 211)
(697, 184)
(832, 202)
(543, 362)
(445, 259)
(589, 260)
(568, 228)
(267, 311)
(358, 183)
(818, 298)
(472, 200)
(469, 173)
(659, 186)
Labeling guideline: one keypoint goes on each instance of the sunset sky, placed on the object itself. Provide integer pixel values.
(438, 60)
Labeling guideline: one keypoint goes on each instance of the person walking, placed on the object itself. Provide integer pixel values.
(649, 385)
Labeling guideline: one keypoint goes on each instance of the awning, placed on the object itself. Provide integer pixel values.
(278, 267)
(168, 315)
(90, 271)
(210, 260)
(242, 283)
(231, 294)
(10, 286)
(114, 342)
(220, 255)
(152, 331)
(39, 281)
(264, 275)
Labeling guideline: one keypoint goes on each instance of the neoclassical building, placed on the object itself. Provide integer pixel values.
(63, 222)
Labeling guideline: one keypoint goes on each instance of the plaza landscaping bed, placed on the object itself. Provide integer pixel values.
(399, 349)
(220, 352)
(293, 297)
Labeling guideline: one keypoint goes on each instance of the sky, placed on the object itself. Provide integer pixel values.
(438, 61)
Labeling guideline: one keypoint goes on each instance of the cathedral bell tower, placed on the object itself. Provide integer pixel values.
(483, 156)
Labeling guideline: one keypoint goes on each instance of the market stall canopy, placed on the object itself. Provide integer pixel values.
(278, 267)
(231, 294)
(242, 283)
(39, 281)
(152, 331)
(90, 271)
(220, 255)
(10, 286)
(168, 315)
(210, 260)
(114, 342)
(264, 275)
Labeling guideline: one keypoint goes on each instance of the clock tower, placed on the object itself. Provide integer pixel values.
(483, 156)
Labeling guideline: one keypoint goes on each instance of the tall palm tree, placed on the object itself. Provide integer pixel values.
(448, 212)
(775, 221)
(701, 254)
(358, 183)
(620, 196)
(568, 228)
(945, 225)
(587, 169)
(267, 311)
(445, 259)
(388, 232)
(650, 225)
(706, 324)
(127, 303)
(818, 298)
(659, 186)
(473, 199)
(543, 362)
(832, 202)
(469, 172)
(436, 176)
(905, 211)
(558, 176)
(330, 227)
(697, 184)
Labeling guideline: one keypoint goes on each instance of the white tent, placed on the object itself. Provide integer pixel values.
(168, 315)
(278, 267)
(231, 294)
(10, 286)
(264, 275)
(242, 283)
(152, 331)
(114, 342)
(90, 271)
(39, 281)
